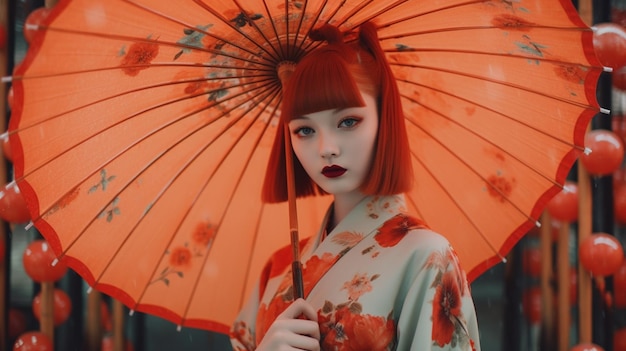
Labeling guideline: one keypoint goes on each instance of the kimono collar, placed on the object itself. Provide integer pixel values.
(362, 221)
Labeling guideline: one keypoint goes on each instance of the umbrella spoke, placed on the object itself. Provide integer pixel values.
(139, 140)
(266, 94)
(175, 176)
(207, 33)
(140, 113)
(229, 200)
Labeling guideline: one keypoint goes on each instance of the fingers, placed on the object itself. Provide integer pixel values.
(297, 309)
(294, 329)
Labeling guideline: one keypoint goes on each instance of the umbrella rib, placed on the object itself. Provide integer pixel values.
(269, 71)
(483, 138)
(153, 41)
(266, 94)
(217, 15)
(375, 15)
(139, 140)
(301, 50)
(159, 196)
(312, 44)
(496, 189)
(471, 28)
(185, 81)
(504, 83)
(232, 194)
(469, 219)
(250, 21)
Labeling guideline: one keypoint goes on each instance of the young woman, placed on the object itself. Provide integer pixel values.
(375, 278)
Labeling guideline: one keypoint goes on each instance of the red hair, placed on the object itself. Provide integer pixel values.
(332, 77)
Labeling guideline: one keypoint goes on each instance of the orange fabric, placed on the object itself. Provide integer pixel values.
(136, 123)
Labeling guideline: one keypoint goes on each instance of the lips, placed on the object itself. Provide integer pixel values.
(333, 171)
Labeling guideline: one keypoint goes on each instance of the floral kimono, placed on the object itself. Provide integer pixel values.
(381, 280)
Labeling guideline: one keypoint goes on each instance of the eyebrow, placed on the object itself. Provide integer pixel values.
(334, 111)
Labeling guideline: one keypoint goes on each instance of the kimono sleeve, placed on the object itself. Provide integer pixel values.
(438, 311)
(242, 333)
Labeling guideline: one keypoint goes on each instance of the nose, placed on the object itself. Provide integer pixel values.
(328, 146)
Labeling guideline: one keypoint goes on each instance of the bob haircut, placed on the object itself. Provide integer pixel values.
(332, 77)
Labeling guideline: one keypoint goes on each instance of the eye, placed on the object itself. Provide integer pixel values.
(303, 131)
(349, 122)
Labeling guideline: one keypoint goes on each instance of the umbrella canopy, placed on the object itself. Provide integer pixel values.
(141, 131)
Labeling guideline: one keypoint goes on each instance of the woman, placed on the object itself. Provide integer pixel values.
(375, 278)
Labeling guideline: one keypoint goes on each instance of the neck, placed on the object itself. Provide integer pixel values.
(342, 205)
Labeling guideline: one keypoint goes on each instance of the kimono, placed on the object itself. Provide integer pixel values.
(381, 280)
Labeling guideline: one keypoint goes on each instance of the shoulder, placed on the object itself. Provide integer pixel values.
(409, 232)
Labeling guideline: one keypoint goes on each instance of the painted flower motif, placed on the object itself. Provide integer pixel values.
(180, 257)
(394, 230)
(138, 57)
(500, 187)
(344, 328)
(314, 268)
(359, 285)
(446, 309)
(203, 235)
(267, 314)
(241, 333)
(511, 22)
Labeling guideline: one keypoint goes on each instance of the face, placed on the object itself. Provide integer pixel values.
(336, 147)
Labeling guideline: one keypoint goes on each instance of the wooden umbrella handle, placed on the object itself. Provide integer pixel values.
(46, 316)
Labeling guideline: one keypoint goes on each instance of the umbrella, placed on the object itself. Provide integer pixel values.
(141, 131)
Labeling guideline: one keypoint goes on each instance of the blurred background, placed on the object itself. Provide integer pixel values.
(531, 302)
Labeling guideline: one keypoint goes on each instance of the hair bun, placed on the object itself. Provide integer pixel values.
(327, 32)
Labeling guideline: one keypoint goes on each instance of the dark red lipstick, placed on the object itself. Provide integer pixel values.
(333, 171)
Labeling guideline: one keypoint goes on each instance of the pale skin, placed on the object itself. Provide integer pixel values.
(345, 139)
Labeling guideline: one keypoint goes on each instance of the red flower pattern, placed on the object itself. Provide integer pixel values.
(180, 257)
(203, 235)
(446, 309)
(138, 57)
(394, 230)
(346, 329)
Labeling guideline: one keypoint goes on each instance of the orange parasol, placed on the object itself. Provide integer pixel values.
(141, 131)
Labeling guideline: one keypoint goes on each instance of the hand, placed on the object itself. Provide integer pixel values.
(290, 332)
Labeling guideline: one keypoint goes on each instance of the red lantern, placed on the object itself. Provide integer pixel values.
(3, 249)
(62, 306)
(586, 347)
(619, 286)
(10, 98)
(607, 152)
(531, 304)
(12, 205)
(34, 19)
(619, 78)
(601, 254)
(609, 42)
(38, 258)
(619, 340)
(531, 261)
(564, 206)
(17, 323)
(33, 341)
(6, 149)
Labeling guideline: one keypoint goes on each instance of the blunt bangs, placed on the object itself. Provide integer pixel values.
(323, 82)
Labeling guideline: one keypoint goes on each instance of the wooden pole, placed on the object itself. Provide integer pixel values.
(547, 292)
(563, 268)
(118, 326)
(46, 318)
(585, 291)
(94, 327)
